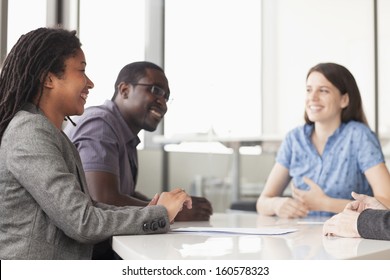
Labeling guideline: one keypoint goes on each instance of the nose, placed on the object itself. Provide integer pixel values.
(90, 84)
(162, 103)
(161, 100)
(313, 95)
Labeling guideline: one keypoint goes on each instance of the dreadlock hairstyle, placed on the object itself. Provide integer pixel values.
(27, 65)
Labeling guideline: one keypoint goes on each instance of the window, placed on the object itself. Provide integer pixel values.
(302, 33)
(20, 19)
(213, 63)
(113, 35)
(384, 70)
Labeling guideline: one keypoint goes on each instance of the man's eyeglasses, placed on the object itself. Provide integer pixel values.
(156, 90)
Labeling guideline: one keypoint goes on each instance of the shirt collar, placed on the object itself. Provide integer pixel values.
(308, 130)
(128, 135)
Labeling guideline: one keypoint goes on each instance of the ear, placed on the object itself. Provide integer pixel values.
(124, 90)
(344, 101)
(49, 81)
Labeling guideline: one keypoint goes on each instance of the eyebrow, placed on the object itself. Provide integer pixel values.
(318, 86)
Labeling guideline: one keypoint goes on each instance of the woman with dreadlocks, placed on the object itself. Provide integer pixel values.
(45, 209)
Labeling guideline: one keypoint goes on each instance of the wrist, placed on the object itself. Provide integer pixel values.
(277, 204)
(326, 204)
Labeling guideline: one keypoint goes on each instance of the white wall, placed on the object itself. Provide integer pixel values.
(301, 33)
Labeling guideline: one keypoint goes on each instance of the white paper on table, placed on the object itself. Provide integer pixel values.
(252, 231)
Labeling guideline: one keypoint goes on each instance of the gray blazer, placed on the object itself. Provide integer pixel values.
(45, 209)
(374, 224)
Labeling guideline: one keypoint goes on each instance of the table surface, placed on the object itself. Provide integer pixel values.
(307, 242)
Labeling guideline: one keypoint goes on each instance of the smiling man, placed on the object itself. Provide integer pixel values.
(106, 138)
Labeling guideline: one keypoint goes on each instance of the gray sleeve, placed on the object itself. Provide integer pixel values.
(40, 163)
(374, 224)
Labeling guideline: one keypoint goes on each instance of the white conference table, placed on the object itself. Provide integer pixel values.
(307, 243)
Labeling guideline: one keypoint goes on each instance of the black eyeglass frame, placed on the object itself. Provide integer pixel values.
(156, 90)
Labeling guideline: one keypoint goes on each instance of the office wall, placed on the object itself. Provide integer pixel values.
(150, 172)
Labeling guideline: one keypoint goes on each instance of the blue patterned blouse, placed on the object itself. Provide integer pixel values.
(348, 153)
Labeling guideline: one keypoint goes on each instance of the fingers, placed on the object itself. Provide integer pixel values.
(292, 208)
(329, 228)
(177, 190)
(154, 200)
(357, 196)
(361, 197)
(308, 181)
(299, 196)
(312, 185)
(297, 213)
(343, 224)
(300, 208)
(174, 202)
(353, 205)
(361, 201)
(296, 193)
(188, 201)
(182, 195)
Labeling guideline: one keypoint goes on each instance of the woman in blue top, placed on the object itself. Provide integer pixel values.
(330, 156)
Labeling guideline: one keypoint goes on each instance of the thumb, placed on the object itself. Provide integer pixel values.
(154, 200)
(309, 182)
(358, 196)
(355, 195)
(353, 205)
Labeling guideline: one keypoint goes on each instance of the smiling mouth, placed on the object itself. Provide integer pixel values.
(156, 113)
(84, 96)
(315, 108)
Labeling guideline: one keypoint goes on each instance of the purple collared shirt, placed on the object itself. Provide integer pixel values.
(106, 143)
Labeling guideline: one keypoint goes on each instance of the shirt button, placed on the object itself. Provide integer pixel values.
(162, 223)
(145, 226)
